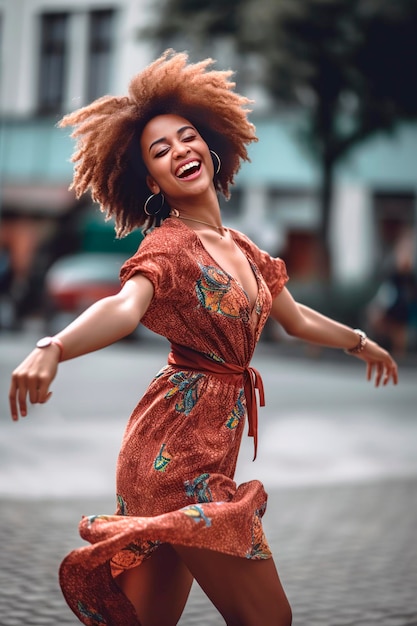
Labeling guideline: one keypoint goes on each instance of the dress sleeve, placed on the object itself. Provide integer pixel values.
(273, 269)
(152, 259)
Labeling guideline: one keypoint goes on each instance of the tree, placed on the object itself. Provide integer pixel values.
(350, 65)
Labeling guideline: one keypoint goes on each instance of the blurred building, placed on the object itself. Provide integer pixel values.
(57, 55)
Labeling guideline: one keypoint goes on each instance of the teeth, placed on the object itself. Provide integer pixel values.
(187, 167)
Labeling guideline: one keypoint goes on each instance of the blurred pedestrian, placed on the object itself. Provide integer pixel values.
(180, 134)
(392, 313)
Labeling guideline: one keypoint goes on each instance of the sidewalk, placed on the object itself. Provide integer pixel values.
(346, 553)
(347, 556)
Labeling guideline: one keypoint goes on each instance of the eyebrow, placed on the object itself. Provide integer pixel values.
(163, 139)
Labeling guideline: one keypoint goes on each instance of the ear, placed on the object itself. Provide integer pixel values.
(152, 184)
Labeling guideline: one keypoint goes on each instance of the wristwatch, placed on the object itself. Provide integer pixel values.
(47, 341)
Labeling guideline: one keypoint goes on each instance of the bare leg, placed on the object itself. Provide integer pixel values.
(246, 592)
(159, 588)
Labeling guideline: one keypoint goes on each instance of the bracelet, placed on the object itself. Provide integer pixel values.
(361, 343)
(47, 341)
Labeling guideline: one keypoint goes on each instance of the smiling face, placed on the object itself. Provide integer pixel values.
(177, 158)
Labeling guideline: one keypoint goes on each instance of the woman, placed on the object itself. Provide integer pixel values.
(180, 135)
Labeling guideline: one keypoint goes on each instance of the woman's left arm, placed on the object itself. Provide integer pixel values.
(307, 324)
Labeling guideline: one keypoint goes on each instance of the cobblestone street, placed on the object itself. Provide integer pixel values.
(338, 458)
(347, 556)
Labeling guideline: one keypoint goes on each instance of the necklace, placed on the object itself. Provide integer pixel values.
(175, 213)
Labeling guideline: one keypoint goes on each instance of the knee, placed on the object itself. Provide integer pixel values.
(282, 616)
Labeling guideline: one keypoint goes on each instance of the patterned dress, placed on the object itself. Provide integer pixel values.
(179, 451)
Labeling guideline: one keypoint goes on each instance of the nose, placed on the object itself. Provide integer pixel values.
(180, 150)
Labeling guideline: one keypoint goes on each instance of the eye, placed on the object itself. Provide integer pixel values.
(189, 137)
(161, 153)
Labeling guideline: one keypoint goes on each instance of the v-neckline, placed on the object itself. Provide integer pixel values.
(251, 307)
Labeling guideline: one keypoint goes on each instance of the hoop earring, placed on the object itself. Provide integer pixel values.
(151, 197)
(219, 163)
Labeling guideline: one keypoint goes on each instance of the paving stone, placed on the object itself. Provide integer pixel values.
(346, 554)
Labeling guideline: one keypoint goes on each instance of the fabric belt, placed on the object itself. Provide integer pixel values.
(186, 358)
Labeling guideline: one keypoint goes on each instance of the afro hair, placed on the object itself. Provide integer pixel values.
(107, 158)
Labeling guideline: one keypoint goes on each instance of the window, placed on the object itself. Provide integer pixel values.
(53, 62)
(99, 53)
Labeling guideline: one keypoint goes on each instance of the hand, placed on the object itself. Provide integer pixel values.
(379, 362)
(32, 379)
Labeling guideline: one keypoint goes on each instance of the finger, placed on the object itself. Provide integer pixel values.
(369, 370)
(378, 377)
(389, 373)
(12, 401)
(44, 394)
(387, 376)
(21, 398)
(393, 374)
(394, 371)
(48, 395)
(42, 389)
(33, 390)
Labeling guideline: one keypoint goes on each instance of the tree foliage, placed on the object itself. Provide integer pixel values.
(351, 65)
(343, 61)
(206, 19)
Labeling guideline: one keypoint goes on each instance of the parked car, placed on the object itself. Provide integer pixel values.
(90, 272)
(76, 281)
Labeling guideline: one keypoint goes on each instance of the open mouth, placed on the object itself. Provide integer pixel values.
(188, 169)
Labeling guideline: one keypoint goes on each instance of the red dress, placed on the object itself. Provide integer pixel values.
(179, 451)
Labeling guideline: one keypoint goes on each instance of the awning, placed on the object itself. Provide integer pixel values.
(48, 200)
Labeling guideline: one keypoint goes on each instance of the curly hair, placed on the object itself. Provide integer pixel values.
(108, 159)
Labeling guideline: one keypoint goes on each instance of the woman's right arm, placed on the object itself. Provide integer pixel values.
(103, 323)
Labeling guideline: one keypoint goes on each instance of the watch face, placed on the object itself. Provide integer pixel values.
(44, 342)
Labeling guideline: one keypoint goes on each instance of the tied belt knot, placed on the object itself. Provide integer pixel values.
(188, 359)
